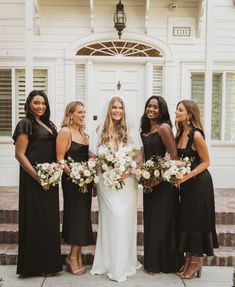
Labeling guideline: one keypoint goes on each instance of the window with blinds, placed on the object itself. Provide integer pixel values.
(39, 83)
(5, 102)
(230, 108)
(80, 82)
(223, 103)
(157, 80)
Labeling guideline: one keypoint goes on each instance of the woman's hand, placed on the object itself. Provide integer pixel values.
(126, 174)
(178, 181)
(152, 184)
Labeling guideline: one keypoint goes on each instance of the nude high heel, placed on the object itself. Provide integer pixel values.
(194, 269)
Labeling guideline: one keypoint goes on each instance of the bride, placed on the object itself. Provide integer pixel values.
(116, 247)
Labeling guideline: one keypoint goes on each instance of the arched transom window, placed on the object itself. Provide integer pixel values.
(114, 48)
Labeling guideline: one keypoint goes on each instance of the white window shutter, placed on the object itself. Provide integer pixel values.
(5, 102)
(198, 97)
(80, 82)
(230, 107)
(157, 80)
(40, 82)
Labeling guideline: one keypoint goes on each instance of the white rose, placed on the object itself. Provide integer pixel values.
(156, 173)
(146, 175)
(96, 179)
(87, 173)
(105, 167)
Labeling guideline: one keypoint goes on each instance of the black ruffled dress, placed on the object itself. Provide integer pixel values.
(197, 208)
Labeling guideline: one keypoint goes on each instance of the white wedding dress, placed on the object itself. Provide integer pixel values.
(116, 246)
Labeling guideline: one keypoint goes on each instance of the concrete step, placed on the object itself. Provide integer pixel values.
(224, 256)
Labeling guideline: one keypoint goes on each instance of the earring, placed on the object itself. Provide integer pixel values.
(70, 120)
(189, 122)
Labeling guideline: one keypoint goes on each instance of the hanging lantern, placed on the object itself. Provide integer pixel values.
(119, 18)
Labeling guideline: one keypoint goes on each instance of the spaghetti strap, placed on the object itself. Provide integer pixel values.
(70, 139)
(191, 136)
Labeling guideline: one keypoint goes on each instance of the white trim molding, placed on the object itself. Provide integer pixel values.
(70, 53)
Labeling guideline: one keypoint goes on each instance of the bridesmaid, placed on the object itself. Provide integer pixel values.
(160, 206)
(77, 230)
(39, 226)
(197, 209)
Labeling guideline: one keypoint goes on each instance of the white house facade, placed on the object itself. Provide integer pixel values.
(71, 50)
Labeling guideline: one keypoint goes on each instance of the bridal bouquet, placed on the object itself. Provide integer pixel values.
(83, 173)
(114, 164)
(49, 174)
(149, 173)
(172, 169)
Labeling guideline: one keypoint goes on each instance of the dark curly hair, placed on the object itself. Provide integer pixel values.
(164, 116)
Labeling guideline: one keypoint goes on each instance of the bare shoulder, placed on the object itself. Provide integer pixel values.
(64, 132)
(198, 136)
(165, 128)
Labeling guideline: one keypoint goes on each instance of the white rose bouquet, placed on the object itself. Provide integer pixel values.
(149, 174)
(114, 164)
(49, 174)
(174, 169)
(83, 173)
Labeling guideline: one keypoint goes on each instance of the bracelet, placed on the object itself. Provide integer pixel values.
(61, 161)
(195, 173)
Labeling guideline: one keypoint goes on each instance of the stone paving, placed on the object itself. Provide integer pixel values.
(211, 277)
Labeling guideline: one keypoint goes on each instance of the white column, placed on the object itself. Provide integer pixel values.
(28, 46)
(90, 102)
(148, 80)
(70, 80)
(208, 71)
(167, 88)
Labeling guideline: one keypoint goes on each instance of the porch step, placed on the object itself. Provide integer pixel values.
(226, 234)
(225, 219)
(9, 233)
(224, 205)
(224, 256)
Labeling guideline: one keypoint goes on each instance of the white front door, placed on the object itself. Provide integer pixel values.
(124, 80)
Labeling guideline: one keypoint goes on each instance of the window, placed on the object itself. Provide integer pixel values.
(119, 47)
(6, 93)
(223, 103)
(5, 102)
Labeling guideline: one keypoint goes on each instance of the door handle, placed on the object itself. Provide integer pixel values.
(119, 85)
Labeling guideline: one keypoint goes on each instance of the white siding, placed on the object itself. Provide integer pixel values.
(63, 22)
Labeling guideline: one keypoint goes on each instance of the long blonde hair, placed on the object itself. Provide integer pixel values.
(194, 117)
(66, 122)
(108, 127)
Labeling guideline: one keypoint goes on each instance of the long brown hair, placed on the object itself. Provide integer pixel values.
(66, 122)
(194, 117)
(108, 127)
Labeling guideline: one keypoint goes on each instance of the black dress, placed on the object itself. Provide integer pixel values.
(39, 225)
(77, 228)
(197, 208)
(160, 211)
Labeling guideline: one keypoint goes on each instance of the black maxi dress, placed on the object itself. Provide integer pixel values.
(197, 208)
(160, 218)
(77, 228)
(39, 223)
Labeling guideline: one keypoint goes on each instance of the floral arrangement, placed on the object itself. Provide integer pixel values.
(49, 174)
(149, 173)
(172, 169)
(114, 164)
(83, 173)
